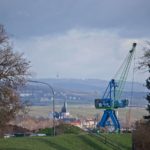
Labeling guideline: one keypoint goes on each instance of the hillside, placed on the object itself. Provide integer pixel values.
(64, 142)
(68, 137)
(88, 85)
(77, 91)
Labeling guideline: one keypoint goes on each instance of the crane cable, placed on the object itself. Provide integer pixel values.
(132, 88)
(122, 73)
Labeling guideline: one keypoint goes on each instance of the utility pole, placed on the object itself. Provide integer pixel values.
(53, 99)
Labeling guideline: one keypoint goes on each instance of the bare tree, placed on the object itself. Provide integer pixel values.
(141, 134)
(145, 64)
(145, 59)
(13, 73)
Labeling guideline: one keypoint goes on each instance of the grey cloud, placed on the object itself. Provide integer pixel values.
(77, 54)
(40, 17)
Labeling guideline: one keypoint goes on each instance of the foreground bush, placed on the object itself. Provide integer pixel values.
(62, 129)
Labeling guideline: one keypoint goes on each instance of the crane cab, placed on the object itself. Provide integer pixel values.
(108, 103)
(103, 103)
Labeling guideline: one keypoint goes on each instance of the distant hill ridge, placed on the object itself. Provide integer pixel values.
(90, 84)
(77, 91)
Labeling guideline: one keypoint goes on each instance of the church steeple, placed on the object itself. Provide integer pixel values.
(64, 108)
(64, 112)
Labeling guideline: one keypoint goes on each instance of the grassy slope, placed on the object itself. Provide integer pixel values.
(123, 140)
(62, 142)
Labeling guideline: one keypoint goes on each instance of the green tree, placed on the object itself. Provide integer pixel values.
(13, 73)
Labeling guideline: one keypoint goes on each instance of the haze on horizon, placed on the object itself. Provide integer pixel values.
(77, 39)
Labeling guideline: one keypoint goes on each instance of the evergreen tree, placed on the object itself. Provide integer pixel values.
(148, 95)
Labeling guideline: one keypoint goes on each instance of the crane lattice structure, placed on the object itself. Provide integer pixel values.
(111, 99)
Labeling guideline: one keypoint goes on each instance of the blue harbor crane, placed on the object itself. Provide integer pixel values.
(111, 98)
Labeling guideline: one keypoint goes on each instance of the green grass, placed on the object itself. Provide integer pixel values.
(68, 138)
(63, 142)
(62, 129)
(124, 140)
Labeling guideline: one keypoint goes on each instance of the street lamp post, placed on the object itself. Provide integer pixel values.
(53, 99)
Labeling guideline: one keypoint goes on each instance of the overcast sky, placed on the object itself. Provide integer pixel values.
(76, 38)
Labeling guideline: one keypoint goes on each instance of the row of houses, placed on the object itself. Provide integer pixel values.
(65, 117)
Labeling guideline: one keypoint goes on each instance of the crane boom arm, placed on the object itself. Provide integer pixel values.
(113, 93)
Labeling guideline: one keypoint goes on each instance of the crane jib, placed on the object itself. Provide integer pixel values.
(112, 96)
(114, 90)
